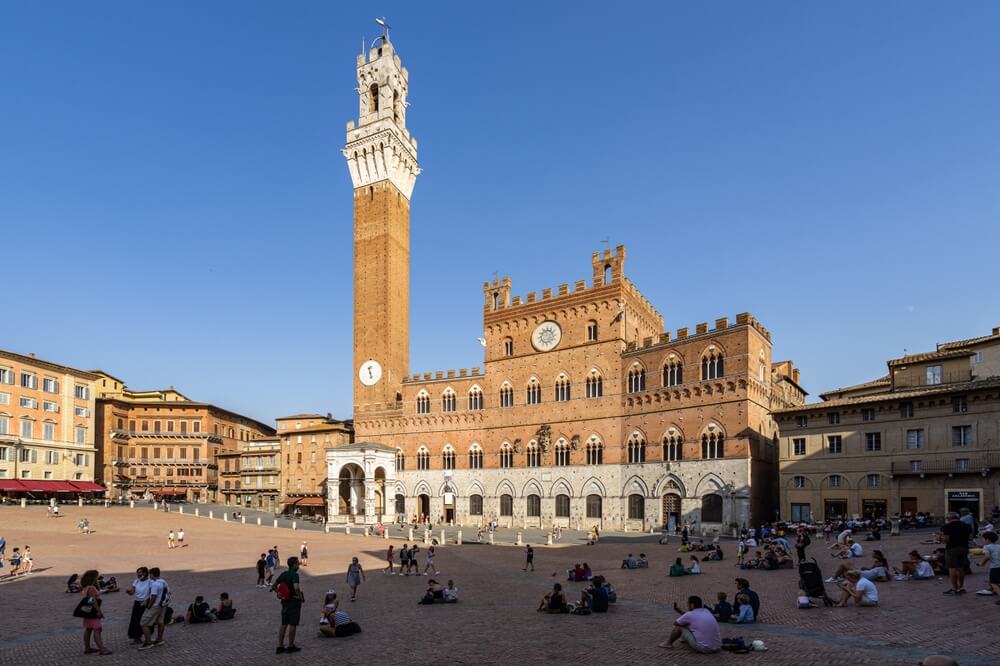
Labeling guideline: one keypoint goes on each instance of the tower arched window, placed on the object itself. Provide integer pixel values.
(713, 445)
(373, 98)
(562, 453)
(673, 372)
(595, 451)
(448, 401)
(448, 457)
(475, 399)
(607, 274)
(595, 384)
(423, 458)
(591, 331)
(673, 447)
(636, 448)
(636, 379)
(534, 392)
(475, 457)
(533, 455)
(423, 403)
(712, 365)
(400, 460)
(506, 456)
(506, 395)
(395, 105)
(508, 347)
(562, 389)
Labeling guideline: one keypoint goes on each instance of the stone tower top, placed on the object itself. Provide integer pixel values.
(379, 147)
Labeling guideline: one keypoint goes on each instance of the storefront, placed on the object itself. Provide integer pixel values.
(956, 500)
(43, 491)
(872, 509)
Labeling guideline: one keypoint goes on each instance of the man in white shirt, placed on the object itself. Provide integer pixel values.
(862, 590)
(139, 591)
(153, 616)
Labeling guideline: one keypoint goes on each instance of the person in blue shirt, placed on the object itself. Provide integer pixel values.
(745, 612)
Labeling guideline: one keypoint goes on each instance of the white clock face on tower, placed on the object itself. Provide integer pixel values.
(546, 336)
(370, 372)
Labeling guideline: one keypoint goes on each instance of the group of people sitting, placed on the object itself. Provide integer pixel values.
(104, 585)
(580, 574)
(631, 563)
(774, 556)
(334, 622)
(595, 598)
(436, 593)
(678, 568)
(201, 612)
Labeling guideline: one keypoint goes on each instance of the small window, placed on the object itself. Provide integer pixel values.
(835, 480)
(506, 505)
(835, 444)
(799, 446)
(50, 385)
(801, 513)
(959, 404)
(914, 439)
(833, 418)
(508, 347)
(475, 505)
(636, 507)
(591, 331)
(961, 464)
(961, 435)
(906, 410)
(933, 375)
(873, 441)
(799, 481)
(594, 506)
(802, 421)
(868, 414)
(562, 506)
(81, 392)
(915, 465)
(534, 506)
(874, 480)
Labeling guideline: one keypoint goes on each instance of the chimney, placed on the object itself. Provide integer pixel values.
(996, 331)
(31, 354)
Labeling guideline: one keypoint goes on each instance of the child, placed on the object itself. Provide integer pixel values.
(695, 567)
(15, 562)
(741, 550)
(804, 601)
(330, 605)
(450, 593)
(723, 610)
(643, 562)
(745, 612)
(991, 556)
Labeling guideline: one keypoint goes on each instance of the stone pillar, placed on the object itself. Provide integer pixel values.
(518, 542)
(225, 516)
(131, 504)
(410, 534)
(548, 542)
(180, 509)
(275, 523)
(79, 501)
(24, 503)
(370, 488)
(385, 532)
(442, 536)
(258, 521)
(243, 519)
(347, 529)
(491, 538)
(211, 515)
(458, 539)
(197, 512)
(295, 525)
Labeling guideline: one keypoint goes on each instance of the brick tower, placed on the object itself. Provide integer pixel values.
(382, 158)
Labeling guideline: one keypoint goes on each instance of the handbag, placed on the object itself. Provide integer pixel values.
(89, 608)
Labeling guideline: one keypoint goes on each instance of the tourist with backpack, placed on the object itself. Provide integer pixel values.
(290, 595)
(154, 614)
(404, 561)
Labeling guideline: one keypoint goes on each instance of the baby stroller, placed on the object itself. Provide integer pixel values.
(811, 581)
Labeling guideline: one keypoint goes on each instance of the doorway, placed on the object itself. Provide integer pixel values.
(908, 506)
(671, 511)
(873, 508)
(424, 506)
(834, 509)
(965, 499)
(449, 514)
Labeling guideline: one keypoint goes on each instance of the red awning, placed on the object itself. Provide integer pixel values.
(33, 486)
(38, 486)
(170, 491)
(12, 485)
(88, 487)
(311, 501)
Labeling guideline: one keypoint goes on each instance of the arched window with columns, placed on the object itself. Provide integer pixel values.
(533, 455)
(562, 453)
(636, 378)
(423, 458)
(713, 444)
(636, 448)
(673, 371)
(448, 401)
(595, 451)
(595, 384)
(400, 460)
(712, 364)
(506, 456)
(506, 395)
(448, 457)
(475, 457)
(423, 403)
(562, 388)
(534, 392)
(673, 446)
(475, 399)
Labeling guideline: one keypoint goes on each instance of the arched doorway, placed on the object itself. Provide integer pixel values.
(351, 491)
(671, 511)
(379, 493)
(423, 507)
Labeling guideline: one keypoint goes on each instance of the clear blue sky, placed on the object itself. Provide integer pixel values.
(174, 207)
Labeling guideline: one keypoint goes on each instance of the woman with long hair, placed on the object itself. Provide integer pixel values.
(92, 625)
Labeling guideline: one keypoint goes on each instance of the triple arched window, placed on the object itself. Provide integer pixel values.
(506, 456)
(475, 399)
(475, 457)
(423, 458)
(673, 447)
(562, 453)
(595, 385)
(400, 460)
(448, 401)
(713, 445)
(506, 395)
(636, 379)
(595, 451)
(533, 455)
(673, 372)
(712, 365)
(534, 393)
(562, 389)
(448, 457)
(423, 403)
(636, 448)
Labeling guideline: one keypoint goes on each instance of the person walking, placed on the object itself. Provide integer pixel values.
(388, 559)
(430, 562)
(290, 594)
(170, 539)
(802, 540)
(92, 623)
(262, 570)
(404, 561)
(26, 561)
(529, 554)
(271, 562)
(303, 554)
(139, 591)
(414, 564)
(153, 614)
(956, 535)
(355, 574)
(180, 538)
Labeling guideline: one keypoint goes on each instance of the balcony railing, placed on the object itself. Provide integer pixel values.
(976, 465)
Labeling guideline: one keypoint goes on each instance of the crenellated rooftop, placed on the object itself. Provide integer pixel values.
(683, 334)
(444, 375)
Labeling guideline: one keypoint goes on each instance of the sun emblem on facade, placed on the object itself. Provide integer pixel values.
(546, 336)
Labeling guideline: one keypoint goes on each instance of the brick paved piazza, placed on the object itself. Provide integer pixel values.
(495, 622)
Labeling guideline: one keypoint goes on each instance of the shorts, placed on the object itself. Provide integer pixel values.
(151, 617)
(995, 576)
(694, 644)
(956, 558)
(866, 602)
(291, 614)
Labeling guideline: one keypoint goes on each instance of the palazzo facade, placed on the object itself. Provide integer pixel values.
(584, 410)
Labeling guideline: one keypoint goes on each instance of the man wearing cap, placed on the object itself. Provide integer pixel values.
(956, 535)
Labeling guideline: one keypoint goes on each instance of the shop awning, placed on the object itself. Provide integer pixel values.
(170, 491)
(12, 485)
(311, 501)
(45, 486)
(88, 487)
